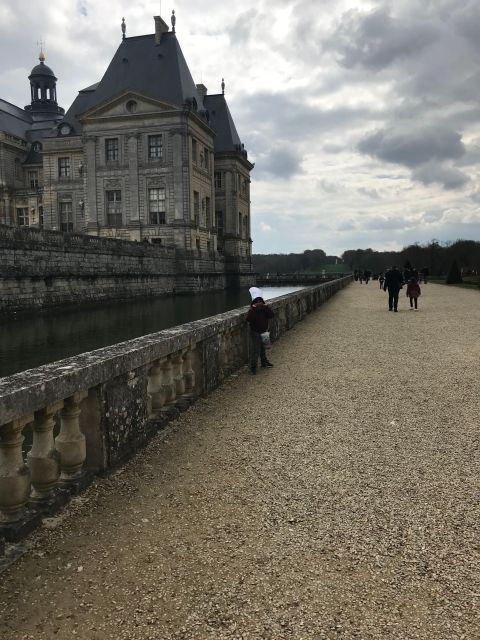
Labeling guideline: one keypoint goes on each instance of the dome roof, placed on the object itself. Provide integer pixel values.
(42, 70)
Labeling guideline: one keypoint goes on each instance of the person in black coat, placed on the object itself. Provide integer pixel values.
(393, 282)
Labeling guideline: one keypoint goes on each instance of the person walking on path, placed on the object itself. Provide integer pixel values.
(258, 317)
(413, 292)
(393, 282)
(381, 279)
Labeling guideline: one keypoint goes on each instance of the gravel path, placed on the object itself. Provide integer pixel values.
(334, 496)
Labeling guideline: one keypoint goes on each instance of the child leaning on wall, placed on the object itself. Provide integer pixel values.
(258, 317)
(413, 292)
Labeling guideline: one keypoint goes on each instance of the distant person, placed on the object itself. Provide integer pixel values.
(393, 283)
(367, 275)
(413, 292)
(360, 277)
(355, 275)
(258, 317)
(381, 279)
(425, 274)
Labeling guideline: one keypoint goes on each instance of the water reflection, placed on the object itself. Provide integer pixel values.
(29, 341)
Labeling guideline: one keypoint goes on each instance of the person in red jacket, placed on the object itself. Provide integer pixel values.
(413, 292)
(258, 317)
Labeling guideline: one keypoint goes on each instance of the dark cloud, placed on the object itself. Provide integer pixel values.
(448, 177)
(278, 163)
(374, 40)
(413, 147)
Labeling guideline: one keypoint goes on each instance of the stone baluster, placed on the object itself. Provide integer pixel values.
(70, 442)
(156, 389)
(43, 459)
(177, 360)
(14, 473)
(188, 372)
(223, 352)
(168, 381)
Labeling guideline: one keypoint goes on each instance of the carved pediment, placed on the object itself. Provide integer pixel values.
(129, 104)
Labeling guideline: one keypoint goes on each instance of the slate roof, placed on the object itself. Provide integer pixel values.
(14, 120)
(221, 121)
(159, 71)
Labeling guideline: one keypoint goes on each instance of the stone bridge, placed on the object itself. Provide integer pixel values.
(333, 496)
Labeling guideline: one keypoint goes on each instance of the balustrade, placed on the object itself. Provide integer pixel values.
(70, 442)
(58, 462)
(188, 372)
(43, 458)
(14, 473)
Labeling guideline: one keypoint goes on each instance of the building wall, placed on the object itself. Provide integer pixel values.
(41, 269)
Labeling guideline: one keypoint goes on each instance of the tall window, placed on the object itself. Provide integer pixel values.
(196, 208)
(208, 214)
(64, 167)
(219, 221)
(114, 208)
(111, 149)
(245, 227)
(33, 178)
(194, 150)
(218, 179)
(156, 205)
(22, 217)
(155, 147)
(66, 216)
(240, 224)
(40, 216)
(206, 154)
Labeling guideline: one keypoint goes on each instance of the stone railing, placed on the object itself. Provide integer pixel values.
(87, 414)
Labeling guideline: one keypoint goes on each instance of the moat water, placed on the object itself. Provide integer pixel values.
(29, 341)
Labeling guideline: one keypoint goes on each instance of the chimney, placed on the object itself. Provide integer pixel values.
(160, 27)
(202, 91)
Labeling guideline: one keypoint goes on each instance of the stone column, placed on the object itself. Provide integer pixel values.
(133, 186)
(155, 388)
(168, 381)
(43, 459)
(188, 372)
(91, 212)
(70, 443)
(177, 361)
(14, 473)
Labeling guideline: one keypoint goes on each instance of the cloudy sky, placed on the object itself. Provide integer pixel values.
(362, 117)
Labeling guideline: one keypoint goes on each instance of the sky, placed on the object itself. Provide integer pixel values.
(362, 117)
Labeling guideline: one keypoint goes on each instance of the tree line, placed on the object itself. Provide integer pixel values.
(309, 260)
(435, 256)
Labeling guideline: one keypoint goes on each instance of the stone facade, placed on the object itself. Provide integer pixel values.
(41, 269)
(144, 155)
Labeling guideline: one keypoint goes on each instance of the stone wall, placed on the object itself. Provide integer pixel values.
(40, 269)
(109, 402)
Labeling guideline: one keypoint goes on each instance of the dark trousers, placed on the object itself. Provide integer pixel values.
(257, 350)
(414, 300)
(393, 297)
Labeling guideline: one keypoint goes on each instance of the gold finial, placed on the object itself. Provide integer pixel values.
(41, 55)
